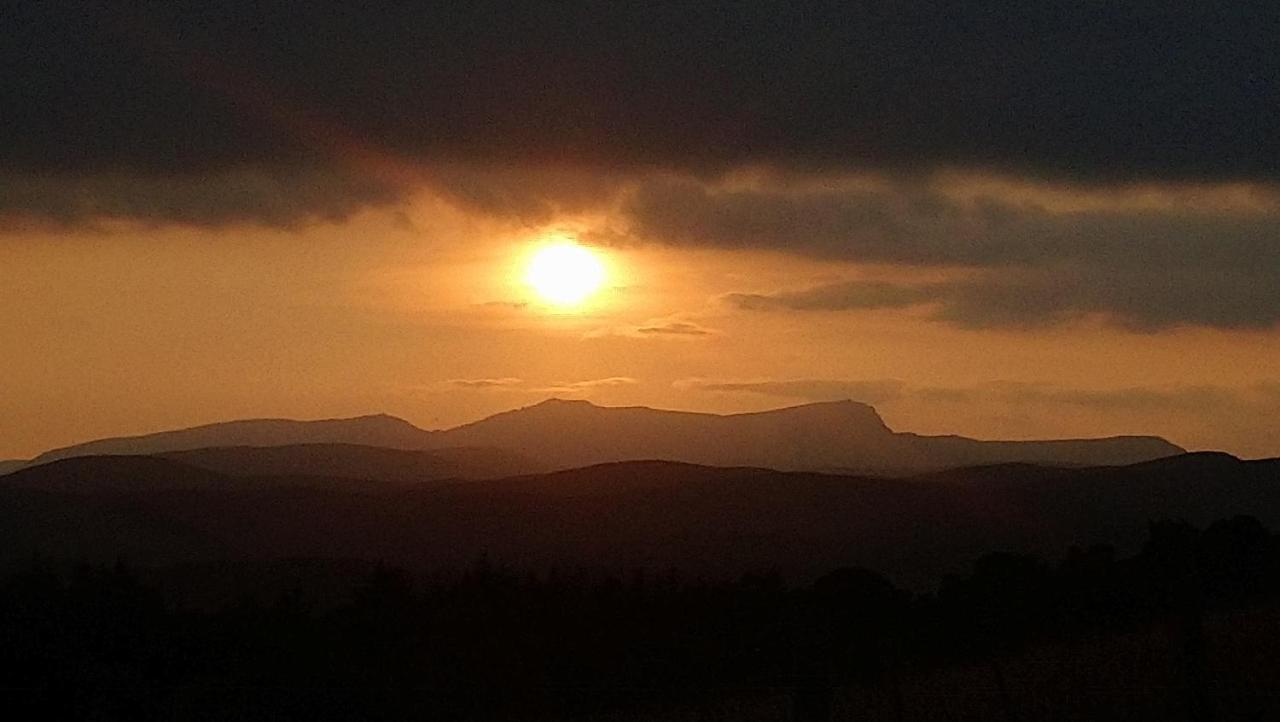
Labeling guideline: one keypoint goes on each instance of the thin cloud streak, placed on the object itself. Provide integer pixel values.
(577, 387)
(519, 385)
(497, 383)
(872, 392)
(658, 328)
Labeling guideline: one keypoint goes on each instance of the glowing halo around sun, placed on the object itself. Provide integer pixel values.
(564, 274)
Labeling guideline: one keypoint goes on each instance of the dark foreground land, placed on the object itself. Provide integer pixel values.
(1186, 629)
(239, 584)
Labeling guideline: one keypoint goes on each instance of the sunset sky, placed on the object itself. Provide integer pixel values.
(1015, 220)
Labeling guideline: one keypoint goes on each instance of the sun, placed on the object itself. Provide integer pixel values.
(565, 274)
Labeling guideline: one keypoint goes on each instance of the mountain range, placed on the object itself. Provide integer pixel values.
(567, 484)
(841, 436)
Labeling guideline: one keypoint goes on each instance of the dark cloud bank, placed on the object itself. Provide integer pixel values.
(278, 113)
(1144, 268)
(1089, 90)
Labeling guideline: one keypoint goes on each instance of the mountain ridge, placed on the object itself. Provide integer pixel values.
(843, 436)
(390, 432)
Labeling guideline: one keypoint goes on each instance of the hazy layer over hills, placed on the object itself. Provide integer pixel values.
(844, 435)
(711, 521)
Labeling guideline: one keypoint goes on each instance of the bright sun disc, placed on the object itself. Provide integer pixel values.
(565, 274)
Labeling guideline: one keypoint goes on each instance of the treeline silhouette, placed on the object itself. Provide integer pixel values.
(101, 643)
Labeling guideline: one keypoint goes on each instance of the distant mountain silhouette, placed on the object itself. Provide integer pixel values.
(711, 521)
(376, 430)
(840, 435)
(843, 436)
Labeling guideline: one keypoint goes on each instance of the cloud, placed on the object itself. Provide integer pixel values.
(1143, 264)
(671, 328)
(278, 197)
(1137, 300)
(574, 387)
(928, 224)
(506, 382)
(405, 93)
(674, 328)
(505, 305)
(845, 296)
(872, 392)
(189, 113)
(531, 193)
(519, 385)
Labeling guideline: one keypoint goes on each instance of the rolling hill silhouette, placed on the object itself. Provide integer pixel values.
(712, 521)
(352, 461)
(113, 474)
(842, 436)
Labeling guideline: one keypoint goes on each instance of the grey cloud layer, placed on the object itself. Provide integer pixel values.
(1147, 268)
(1139, 301)
(274, 197)
(914, 224)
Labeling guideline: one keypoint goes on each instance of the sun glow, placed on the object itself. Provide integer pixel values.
(565, 274)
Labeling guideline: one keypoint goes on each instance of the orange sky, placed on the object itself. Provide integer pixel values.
(419, 309)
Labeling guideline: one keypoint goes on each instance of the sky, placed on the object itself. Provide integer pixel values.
(1042, 220)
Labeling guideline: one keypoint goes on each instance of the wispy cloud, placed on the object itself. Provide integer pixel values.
(518, 385)
(571, 387)
(506, 382)
(1139, 300)
(874, 391)
(674, 327)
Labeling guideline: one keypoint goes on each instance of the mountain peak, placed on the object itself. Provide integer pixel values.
(843, 412)
(836, 404)
(556, 401)
(386, 420)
